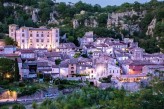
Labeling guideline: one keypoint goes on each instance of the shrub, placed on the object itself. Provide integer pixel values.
(21, 84)
(18, 106)
(61, 87)
(34, 105)
(4, 107)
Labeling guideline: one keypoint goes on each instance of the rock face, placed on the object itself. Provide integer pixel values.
(75, 23)
(91, 23)
(34, 16)
(52, 18)
(151, 27)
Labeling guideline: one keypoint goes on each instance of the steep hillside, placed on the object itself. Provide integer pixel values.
(143, 22)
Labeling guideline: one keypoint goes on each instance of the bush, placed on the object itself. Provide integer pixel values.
(21, 84)
(106, 80)
(61, 87)
(4, 82)
(18, 106)
(34, 105)
(4, 107)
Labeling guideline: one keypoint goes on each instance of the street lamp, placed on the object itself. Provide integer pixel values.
(8, 75)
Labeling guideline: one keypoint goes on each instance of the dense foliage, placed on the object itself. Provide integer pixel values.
(93, 98)
(8, 71)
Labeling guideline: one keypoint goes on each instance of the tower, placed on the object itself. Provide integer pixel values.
(12, 31)
(55, 38)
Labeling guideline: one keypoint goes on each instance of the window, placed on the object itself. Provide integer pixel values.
(56, 40)
(72, 71)
(57, 31)
(22, 35)
(42, 40)
(37, 35)
(47, 35)
(11, 30)
(56, 34)
(22, 30)
(42, 35)
(72, 67)
(37, 40)
(23, 41)
(48, 40)
(30, 35)
(31, 40)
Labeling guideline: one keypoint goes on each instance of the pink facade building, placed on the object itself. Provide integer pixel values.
(28, 37)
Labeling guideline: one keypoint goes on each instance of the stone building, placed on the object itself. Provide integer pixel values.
(28, 37)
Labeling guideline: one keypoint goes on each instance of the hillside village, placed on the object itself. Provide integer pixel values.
(77, 55)
(95, 58)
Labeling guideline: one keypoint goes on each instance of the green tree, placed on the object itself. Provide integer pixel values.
(71, 38)
(9, 41)
(7, 69)
(57, 61)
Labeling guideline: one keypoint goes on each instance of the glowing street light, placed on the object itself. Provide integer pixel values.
(8, 75)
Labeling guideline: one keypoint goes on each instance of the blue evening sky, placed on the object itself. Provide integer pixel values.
(105, 2)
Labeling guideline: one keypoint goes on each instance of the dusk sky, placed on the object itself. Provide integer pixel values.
(105, 2)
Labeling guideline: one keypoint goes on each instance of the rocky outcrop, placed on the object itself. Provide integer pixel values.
(151, 27)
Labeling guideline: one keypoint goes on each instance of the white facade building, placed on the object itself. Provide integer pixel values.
(28, 37)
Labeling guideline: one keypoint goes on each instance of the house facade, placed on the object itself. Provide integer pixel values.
(27, 37)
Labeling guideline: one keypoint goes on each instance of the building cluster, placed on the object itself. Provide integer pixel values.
(94, 59)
